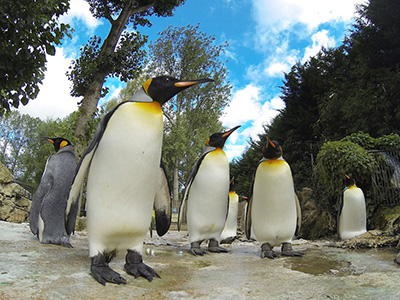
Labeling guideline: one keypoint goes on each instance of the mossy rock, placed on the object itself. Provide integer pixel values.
(387, 218)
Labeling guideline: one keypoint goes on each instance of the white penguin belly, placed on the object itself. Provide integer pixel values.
(121, 180)
(273, 211)
(353, 219)
(231, 221)
(208, 198)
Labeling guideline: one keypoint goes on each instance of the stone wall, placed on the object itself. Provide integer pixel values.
(14, 205)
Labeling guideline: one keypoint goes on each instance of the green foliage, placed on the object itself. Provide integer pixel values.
(125, 62)
(28, 32)
(193, 115)
(336, 159)
(23, 147)
(351, 91)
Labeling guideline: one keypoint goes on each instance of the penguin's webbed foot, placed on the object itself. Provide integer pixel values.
(288, 251)
(65, 242)
(103, 273)
(134, 265)
(213, 247)
(267, 252)
(196, 250)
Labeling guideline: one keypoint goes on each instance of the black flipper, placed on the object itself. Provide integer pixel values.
(163, 202)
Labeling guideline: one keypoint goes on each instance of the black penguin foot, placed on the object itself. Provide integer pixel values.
(103, 273)
(288, 251)
(134, 265)
(228, 240)
(213, 246)
(266, 251)
(196, 250)
(65, 242)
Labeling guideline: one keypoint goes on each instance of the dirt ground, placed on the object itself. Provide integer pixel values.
(30, 270)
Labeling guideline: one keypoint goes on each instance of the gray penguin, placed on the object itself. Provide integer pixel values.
(47, 216)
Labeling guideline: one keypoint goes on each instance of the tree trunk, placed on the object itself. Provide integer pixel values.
(91, 98)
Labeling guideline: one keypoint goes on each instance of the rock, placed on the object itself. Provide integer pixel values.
(5, 174)
(387, 218)
(14, 206)
(397, 259)
(315, 222)
(371, 239)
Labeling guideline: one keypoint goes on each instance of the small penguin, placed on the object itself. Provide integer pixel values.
(207, 191)
(274, 210)
(228, 235)
(352, 216)
(125, 180)
(47, 215)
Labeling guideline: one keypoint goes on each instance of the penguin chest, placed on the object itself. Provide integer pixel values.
(122, 176)
(353, 220)
(273, 208)
(208, 197)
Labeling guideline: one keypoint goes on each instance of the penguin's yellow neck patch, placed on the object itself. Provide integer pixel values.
(151, 107)
(218, 151)
(231, 193)
(352, 186)
(273, 162)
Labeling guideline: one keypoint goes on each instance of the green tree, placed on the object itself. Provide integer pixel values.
(23, 147)
(28, 32)
(120, 55)
(193, 115)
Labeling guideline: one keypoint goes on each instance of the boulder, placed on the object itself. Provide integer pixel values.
(14, 206)
(5, 174)
(316, 223)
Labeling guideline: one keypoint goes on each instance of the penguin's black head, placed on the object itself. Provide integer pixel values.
(349, 180)
(59, 142)
(272, 150)
(218, 139)
(163, 88)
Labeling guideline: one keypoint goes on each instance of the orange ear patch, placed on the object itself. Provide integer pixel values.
(63, 144)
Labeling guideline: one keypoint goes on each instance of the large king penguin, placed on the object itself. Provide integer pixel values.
(228, 235)
(125, 179)
(47, 216)
(207, 191)
(352, 217)
(274, 210)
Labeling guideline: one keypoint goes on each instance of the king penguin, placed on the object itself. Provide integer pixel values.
(228, 235)
(207, 191)
(274, 210)
(352, 217)
(47, 215)
(125, 179)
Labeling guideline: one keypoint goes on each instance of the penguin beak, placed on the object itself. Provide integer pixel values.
(228, 133)
(188, 83)
(271, 143)
(50, 140)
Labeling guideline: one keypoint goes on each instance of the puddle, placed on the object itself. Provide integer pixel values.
(315, 262)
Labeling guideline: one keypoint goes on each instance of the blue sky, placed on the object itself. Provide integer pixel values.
(266, 37)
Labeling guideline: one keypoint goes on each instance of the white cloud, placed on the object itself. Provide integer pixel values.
(54, 98)
(319, 39)
(279, 15)
(79, 10)
(248, 106)
(243, 106)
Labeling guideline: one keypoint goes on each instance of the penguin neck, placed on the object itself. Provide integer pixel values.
(140, 96)
(208, 149)
(67, 148)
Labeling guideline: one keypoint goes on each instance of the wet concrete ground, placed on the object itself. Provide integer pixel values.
(29, 270)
